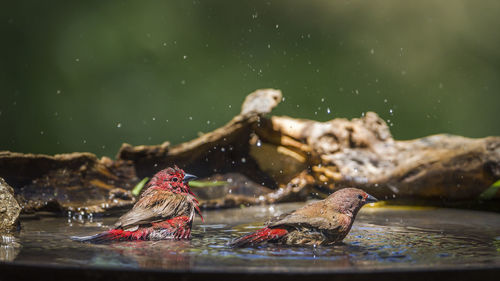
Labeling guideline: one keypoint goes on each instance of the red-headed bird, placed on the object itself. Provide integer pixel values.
(165, 210)
(323, 222)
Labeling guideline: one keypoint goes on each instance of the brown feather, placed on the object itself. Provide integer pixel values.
(323, 222)
(157, 205)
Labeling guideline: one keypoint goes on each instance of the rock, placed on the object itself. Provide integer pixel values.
(9, 208)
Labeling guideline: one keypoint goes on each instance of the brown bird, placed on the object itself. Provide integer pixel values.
(323, 222)
(165, 210)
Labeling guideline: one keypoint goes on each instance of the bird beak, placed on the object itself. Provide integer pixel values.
(189, 177)
(370, 199)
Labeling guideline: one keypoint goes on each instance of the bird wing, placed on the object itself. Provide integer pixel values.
(299, 220)
(315, 215)
(156, 206)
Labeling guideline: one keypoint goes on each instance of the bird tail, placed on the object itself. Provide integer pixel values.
(103, 237)
(260, 236)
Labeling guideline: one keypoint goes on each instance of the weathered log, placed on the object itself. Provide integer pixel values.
(82, 182)
(362, 153)
(290, 157)
(241, 191)
(74, 182)
(222, 150)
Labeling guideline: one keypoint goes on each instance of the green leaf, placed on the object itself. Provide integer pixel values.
(206, 183)
(490, 191)
(137, 189)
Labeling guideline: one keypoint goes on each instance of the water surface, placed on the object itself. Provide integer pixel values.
(381, 238)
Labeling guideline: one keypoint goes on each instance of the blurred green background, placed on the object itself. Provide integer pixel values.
(89, 75)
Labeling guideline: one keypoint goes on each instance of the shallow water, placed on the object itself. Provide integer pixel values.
(381, 238)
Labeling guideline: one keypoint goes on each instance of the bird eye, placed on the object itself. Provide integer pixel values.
(175, 179)
(360, 197)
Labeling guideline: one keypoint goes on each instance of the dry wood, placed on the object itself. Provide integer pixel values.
(290, 157)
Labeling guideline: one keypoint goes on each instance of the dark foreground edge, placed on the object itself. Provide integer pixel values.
(9, 271)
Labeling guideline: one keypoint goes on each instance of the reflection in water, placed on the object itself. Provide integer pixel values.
(380, 238)
(9, 248)
(155, 254)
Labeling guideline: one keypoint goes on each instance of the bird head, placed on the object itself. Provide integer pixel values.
(173, 179)
(349, 200)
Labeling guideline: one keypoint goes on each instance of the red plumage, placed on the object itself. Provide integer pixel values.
(265, 234)
(323, 222)
(165, 210)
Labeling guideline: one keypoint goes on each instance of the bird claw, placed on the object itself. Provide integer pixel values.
(179, 233)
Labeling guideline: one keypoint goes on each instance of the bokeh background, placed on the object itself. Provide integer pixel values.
(89, 75)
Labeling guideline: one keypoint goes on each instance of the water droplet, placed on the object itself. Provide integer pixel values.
(283, 99)
(84, 141)
(190, 117)
(208, 122)
(259, 143)
(385, 100)
(243, 160)
(185, 57)
(277, 26)
(328, 111)
(391, 112)
(154, 118)
(322, 99)
(119, 125)
(269, 46)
